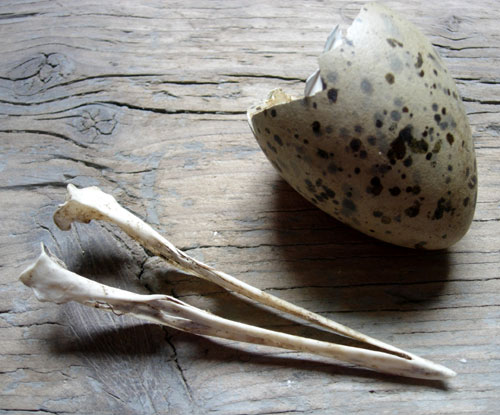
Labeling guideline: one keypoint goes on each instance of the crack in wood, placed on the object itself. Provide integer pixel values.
(9, 16)
(180, 370)
(35, 186)
(142, 75)
(49, 101)
(481, 101)
(87, 163)
(461, 48)
(48, 133)
(265, 76)
(167, 111)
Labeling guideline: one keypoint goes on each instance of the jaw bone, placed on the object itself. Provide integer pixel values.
(52, 282)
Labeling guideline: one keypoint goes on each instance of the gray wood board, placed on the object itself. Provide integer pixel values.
(148, 101)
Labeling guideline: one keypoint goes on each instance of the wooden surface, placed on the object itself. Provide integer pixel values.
(148, 101)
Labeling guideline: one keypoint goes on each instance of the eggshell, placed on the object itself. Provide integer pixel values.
(385, 146)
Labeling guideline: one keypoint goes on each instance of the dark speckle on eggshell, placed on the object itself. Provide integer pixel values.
(395, 191)
(443, 206)
(322, 154)
(472, 183)
(394, 43)
(366, 86)
(355, 144)
(332, 95)
(348, 206)
(408, 161)
(395, 115)
(413, 210)
(420, 61)
(333, 168)
(316, 127)
(375, 187)
(404, 141)
(273, 148)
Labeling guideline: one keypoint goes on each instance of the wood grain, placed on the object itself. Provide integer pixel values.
(148, 100)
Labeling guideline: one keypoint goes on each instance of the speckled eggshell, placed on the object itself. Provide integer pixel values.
(386, 146)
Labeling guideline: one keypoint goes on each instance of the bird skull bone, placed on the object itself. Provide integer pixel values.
(381, 140)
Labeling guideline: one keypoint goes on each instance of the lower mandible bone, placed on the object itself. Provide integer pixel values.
(51, 281)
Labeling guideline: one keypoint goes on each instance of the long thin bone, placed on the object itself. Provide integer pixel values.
(50, 281)
(91, 203)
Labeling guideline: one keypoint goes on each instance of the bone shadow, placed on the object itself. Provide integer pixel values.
(104, 261)
(147, 340)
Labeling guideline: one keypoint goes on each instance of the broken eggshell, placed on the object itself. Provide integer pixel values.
(381, 140)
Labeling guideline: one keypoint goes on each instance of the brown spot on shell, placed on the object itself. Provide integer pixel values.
(366, 86)
(375, 187)
(443, 206)
(420, 61)
(395, 115)
(316, 127)
(386, 220)
(413, 210)
(395, 191)
(322, 154)
(394, 42)
(348, 207)
(332, 95)
(404, 139)
(355, 144)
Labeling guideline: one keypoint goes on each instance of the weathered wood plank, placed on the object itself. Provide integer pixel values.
(148, 101)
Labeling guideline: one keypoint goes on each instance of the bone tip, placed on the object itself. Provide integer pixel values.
(61, 220)
(42, 248)
(60, 217)
(71, 189)
(26, 276)
(447, 373)
(436, 371)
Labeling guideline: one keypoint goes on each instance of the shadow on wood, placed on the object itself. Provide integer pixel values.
(143, 340)
(353, 272)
